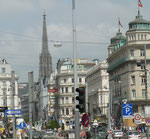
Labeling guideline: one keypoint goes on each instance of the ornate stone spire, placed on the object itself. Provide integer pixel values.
(45, 66)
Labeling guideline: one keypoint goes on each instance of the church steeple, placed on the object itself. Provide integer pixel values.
(45, 64)
(44, 37)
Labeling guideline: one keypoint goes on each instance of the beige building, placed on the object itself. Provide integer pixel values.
(5, 86)
(98, 85)
(126, 75)
(65, 86)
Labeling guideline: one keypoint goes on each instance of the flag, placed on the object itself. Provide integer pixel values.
(120, 23)
(140, 3)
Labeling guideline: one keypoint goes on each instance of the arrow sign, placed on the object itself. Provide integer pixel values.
(13, 112)
(22, 125)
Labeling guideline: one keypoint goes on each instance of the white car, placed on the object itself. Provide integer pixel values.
(50, 131)
(117, 134)
(132, 135)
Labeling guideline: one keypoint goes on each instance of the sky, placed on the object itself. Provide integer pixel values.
(21, 24)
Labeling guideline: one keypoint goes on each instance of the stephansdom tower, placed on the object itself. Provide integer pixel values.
(45, 65)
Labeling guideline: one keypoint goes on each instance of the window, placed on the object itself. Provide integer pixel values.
(131, 52)
(142, 53)
(145, 37)
(142, 67)
(62, 111)
(143, 94)
(4, 102)
(132, 79)
(62, 90)
(72, 99)
(64, 80)
(141, 37)
(4, 93)
(133, 94)
(4, 83)
(66, 89)
(67, 100)
(62, 100)
(67, 111)
(72, 80)
(72, 89)
(143, 80)
(3, 70)
(80, 80)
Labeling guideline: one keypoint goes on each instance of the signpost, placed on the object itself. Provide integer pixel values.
(137, 118)
(22, 125)
(2, 109)
(127, 111)
(85, 120)
(13, 112)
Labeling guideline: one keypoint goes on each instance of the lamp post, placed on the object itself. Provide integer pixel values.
(77, 130)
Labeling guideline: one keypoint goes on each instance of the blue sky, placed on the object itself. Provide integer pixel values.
(96, 21)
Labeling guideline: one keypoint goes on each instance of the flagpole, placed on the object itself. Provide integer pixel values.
(118, 25)
(138, 9)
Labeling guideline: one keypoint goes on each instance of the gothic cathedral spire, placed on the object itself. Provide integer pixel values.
(45, 64)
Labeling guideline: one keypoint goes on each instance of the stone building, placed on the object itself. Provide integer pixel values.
(128, 74)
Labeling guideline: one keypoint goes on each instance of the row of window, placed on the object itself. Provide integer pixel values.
(142, 52)
(138, 37)
(134, 94)
(65, 100)
(66, 89)
(80, 80)
(143, 80)
(66, 111)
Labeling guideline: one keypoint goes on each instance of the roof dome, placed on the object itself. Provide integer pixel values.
(119, 37)
(139, 23)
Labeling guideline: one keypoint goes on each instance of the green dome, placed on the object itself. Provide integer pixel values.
(139, 23)
(119, 37)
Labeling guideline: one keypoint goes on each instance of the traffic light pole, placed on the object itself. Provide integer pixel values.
(12, 102)
(77, 130)
(146, 90)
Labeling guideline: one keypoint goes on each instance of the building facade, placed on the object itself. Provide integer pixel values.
(5, 89)
(127, 73)
(98, 85)
(65, 86)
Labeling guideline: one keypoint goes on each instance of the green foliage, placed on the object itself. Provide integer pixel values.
(63, 126)
(53, 124)
(26, 120)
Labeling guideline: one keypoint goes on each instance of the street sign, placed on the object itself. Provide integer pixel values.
(127, 111)
(2, 109)
(85, 120)
(13, 112)
(137, 118)
(22, 125)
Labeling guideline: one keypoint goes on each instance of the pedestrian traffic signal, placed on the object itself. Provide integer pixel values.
(81, 99)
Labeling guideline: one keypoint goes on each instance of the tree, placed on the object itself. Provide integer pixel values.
(53, 124)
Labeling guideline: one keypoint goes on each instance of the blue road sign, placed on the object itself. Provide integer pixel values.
(13, 112)
(22, 125)
(127, 109)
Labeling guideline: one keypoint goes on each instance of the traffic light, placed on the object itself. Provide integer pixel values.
(81, 99)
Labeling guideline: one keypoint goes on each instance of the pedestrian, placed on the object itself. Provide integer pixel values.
(139, 130)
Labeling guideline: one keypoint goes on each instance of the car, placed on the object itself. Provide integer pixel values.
(132, 135)
(50, 131)
(117, 134)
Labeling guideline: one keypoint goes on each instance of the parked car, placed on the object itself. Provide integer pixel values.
(50, 131)
(117, 134)
(132, 135)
